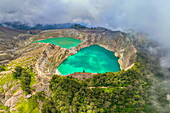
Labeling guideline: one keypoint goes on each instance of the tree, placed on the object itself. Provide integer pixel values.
(17, 72)
(25, 81)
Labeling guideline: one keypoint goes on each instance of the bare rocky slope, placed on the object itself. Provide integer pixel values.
(11, 40)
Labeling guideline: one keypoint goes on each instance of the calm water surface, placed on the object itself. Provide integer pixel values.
(64, 42)
(93, 59)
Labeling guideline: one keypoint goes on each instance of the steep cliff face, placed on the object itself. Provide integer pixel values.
(52, 55)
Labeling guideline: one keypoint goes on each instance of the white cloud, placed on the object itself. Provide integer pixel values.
(145, 15)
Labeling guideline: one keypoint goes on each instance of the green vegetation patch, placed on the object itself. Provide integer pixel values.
(4, 108)
(26, 77)
(2, 68)
(28, 106)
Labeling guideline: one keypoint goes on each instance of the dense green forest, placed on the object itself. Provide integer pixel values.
(121, 92)
(109, 92)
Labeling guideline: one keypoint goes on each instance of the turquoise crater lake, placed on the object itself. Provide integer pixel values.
(64, 42)
(93, 59)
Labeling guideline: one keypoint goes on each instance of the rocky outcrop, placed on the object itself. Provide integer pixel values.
(81, 76)
(115, 41)
(9, 93)
(11, 102)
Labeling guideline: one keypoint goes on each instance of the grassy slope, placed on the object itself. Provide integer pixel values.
(26, 61)
(27, 106)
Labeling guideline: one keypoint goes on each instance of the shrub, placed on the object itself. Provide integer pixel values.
(2, 68)
(17, 72)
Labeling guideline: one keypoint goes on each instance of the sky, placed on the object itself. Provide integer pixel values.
(150, 16)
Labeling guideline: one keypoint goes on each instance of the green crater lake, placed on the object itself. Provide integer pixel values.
(93, 59)
(64, 42)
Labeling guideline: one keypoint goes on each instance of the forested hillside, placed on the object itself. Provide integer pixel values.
(125, 91)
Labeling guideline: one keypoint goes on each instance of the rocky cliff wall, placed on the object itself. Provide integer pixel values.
(52, 55)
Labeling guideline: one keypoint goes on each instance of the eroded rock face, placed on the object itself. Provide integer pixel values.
(11, 102)
(11, 40)
(115, 41)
